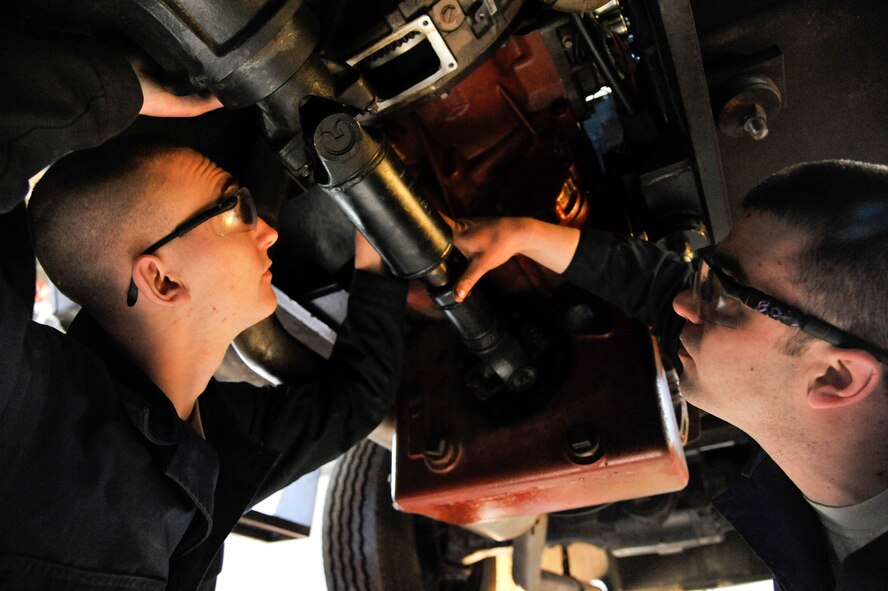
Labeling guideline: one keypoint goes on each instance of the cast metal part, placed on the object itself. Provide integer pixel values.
(607, 433)
(378, 196)
(419, 33)
(258, 52)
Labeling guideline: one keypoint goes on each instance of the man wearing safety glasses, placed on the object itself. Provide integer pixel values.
(123, 464)
(781, 330)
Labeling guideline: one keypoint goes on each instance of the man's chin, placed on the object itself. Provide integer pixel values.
(688, 387)
(696, 396)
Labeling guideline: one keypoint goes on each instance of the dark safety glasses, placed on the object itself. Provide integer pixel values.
(232, 214)
(720, 298)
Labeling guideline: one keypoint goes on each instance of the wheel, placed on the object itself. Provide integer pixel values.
(369, 546)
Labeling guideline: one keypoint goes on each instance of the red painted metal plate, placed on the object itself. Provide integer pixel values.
(492, 467)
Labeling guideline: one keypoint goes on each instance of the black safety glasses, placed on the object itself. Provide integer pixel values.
(230, 215)
(718, 297)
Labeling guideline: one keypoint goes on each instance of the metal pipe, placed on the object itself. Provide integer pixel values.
(527, 554)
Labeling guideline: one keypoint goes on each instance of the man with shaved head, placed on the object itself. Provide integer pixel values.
(782, 330)
(124, 464)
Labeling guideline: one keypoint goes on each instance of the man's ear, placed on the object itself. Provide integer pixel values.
(850, 376)
(157, 284)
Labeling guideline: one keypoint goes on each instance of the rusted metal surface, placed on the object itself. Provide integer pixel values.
(461, 461)
(492, 143)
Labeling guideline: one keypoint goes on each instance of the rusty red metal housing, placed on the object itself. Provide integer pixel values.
(607, 433)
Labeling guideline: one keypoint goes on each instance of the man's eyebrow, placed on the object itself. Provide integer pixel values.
(731, 265)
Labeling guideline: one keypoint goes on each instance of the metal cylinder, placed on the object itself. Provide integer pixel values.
(380, 198)
(373, 189)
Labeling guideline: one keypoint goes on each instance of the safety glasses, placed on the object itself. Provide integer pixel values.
(232, 214)
(720, 300)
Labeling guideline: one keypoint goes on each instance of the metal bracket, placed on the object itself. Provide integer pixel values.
(401, 42)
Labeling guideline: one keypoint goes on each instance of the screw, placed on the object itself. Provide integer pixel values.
(567, 42)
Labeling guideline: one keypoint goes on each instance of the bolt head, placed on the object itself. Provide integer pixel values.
(756, 127)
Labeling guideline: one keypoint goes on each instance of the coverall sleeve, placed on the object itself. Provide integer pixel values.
(57, 96)
(637, 277)
(314, 423)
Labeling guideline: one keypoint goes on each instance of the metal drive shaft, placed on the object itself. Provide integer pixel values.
(371, 186)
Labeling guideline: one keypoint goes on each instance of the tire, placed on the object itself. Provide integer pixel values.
(369, 546)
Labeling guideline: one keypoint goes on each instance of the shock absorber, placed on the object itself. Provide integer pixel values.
(372, 187)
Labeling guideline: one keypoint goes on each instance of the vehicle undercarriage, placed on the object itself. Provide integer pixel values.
(532, 414)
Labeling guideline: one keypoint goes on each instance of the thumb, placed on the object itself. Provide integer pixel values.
(476, 269)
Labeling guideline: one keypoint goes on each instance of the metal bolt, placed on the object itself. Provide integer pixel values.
(580, 318)
(522, 379)
(756, 126)
(567, 42)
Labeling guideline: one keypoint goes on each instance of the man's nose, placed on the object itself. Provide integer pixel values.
(265, 234)
(686, 306)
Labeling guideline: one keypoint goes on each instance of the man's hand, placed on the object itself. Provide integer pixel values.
(489, 242)
(158, 101)
(366, 257)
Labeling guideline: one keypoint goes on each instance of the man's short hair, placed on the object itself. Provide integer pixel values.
(83, 213)
(843, 206)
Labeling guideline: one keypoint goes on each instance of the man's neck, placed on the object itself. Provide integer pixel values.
(178, 362)
(838, 464)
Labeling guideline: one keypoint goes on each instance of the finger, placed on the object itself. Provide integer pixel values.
(158, 102)
(209, 103)
(191, 105)
(447, 220)
(366, 257)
